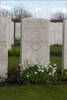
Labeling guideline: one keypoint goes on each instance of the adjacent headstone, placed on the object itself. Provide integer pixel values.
(55, 33)
(18, 31)
(3, 48)
(12, 33)
(35, 40)
(10, 30)
(65, 45)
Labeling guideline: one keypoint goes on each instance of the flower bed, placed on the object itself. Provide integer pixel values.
(36, 73)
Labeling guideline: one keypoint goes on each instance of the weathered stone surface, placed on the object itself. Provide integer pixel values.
(3, 47)
(55, 33)
(18, 31)
(35, 40)
(10, 30)
(65, 46)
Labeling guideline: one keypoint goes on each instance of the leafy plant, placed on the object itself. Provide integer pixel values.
(2, 79)
(17, 43)
(14, 52)
(37, 73)
(13, 76)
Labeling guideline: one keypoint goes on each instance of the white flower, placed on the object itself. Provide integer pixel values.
(53, 72)
(54, 65)
(35, 73)
(27, 76)
(50, 66)
(39, 70)
(39, 66)
(50, 73)
(19, 64)
(42, 71)
(54, 69)
(45, 65)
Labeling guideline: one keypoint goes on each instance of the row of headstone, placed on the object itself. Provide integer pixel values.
(55, 32)
(6, 41)
(34, 42)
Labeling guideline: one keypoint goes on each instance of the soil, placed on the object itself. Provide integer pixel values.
(60, 82)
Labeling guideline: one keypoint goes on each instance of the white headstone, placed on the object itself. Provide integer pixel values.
(3, 48)
(10, 30)
(55, 33)
(18, 31)
(35, 40)
(65, 45)
(12, 33)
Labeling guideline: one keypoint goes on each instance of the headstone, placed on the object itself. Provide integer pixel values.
(3, 48)
(10, 30)
(12, 33)
(55, 33)
(18, 31)
(65, 45)
(35, 40)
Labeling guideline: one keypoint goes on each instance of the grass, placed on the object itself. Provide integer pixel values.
(33, 93)
(58, 61)
(17, 43)
(13, 62)
(56, 49)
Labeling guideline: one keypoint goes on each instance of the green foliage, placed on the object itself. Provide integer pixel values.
(65, 71)
(58, 61)
(56, 50)
(14, 52)
(16, 43)
(62, 77)
(13, 76)
(13, 62)
(2, 79)
(39, 74)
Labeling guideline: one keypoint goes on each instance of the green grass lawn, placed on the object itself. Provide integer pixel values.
(56, 49)
(33, 93)
(58, 61)
(13, 62)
